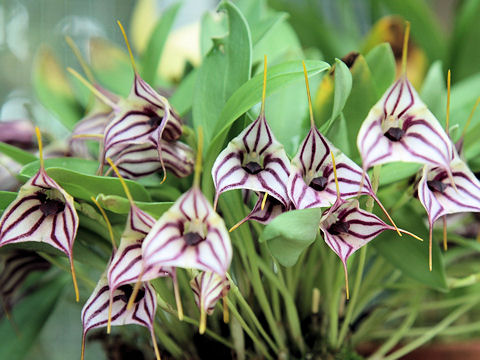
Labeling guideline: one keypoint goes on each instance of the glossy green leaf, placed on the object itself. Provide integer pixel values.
(249, 94)
(53, 89)
(21, 156)
(29, 315)
(397, 171)
(410, 255)
(343, 86)
(121, 205)
(6, 197)
(381, 63)
(434, 92)
(153, 53)
(226, 67)
(290, 233)
(76, 177)
(182, 98)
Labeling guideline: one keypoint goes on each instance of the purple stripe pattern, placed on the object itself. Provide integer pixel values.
(94, 123)
(17, 265)
(401, 128)
(189, 235)
(312, 182)
(42, 212)
(127, 262)
(271, 210)
(136, 161)
(346, 228)
(439, 197)
(208, 288)
(95, 310)
(253, 160)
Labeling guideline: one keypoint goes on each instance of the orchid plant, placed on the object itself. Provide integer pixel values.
(155, 171)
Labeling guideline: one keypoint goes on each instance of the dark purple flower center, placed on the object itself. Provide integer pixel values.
(339, 227)
(192, 238)
(155, 121)
(394, 134)
(50, 206)
(252, 167)
(319, 183)
(127, 292)
(436, 185)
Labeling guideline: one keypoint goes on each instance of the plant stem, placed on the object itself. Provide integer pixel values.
(433, 331)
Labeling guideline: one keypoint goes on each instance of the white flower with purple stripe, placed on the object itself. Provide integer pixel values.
(312, 182)
(208, 288)
(401, 128)
(189, 235)
(253, 160)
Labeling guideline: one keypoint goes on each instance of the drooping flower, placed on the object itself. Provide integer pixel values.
(190, 234)
(126, 265)
(253, 160)
(95, 310)
(134, 161)
(17, 265)
(44, 212)
(208, 288)
(401, 128)
(346, 227)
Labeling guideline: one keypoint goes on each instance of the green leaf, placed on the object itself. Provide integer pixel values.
(29, 316)
(182, 98)
(6, 197)
(153, 52)
(21, 156)
(226, 67)
(121, 205)
(434, 92)
(249, 94)
(394, 172)
(53, 89)
(290, 233)
(76, 177)
(343, 86)
(410, 255)
(381, 63)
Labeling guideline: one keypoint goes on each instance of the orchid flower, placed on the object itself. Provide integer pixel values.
(346, 227)
(43, 212)
(190, 234)
(253, 160)
(134, 161)
(208, 288)
(401, 128)
(312, 182)
(143, 117)
(126, 265)
(95, 310)
(17, 265)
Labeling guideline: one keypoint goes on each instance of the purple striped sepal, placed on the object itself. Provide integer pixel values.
(42, 212)
(127, 262)
(439, 197)
(312, 182)
(94, 123)
(144, 117)
(95, 310)
(208, 288)
(253, 160)
(189, 235)
(137, 161)
(17, 265)
(346, 228)
(401, 128)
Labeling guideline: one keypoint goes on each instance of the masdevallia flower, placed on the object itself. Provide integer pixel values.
(190, 234)
(44, 212)
(208, 288)
(134, 161)
(400, 127)
(253, 160)
(440, 196)
(346, 227)
(95, 310)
